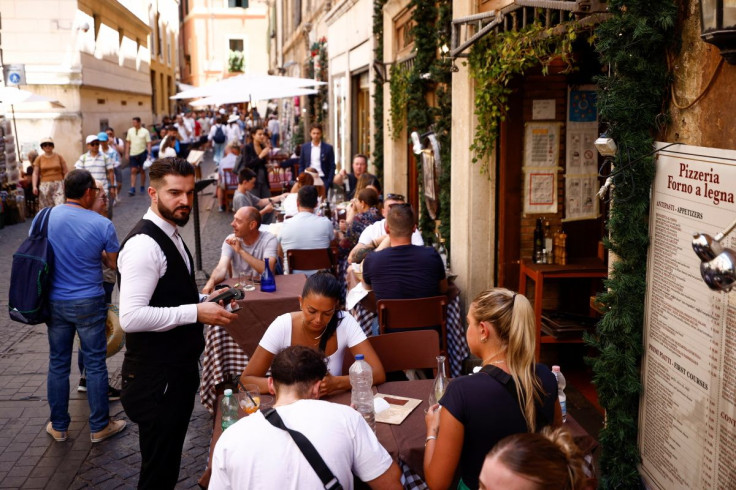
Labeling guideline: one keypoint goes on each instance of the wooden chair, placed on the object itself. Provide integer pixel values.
(231, 185)
(414, 349)
(410, 314)
(317, 258)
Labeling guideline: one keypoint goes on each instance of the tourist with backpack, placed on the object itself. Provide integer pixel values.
(218, 137)
(81, 241)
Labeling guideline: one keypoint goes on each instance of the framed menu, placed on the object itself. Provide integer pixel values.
(687, 414)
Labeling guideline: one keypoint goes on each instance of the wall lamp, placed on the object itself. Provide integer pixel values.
(718, 26)
(717, 263)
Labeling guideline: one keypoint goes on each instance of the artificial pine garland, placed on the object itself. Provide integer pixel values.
(630, 100)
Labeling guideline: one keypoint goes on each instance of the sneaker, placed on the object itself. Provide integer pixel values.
(131, 192)
(113, 427)
(117, 200)
(113, 394)
(57, 435)
(143, 190)
(221, 209)
(82, 385)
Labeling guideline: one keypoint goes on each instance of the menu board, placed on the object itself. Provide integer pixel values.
(687, 415)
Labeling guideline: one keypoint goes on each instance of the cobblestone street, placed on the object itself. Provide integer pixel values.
(29, 458)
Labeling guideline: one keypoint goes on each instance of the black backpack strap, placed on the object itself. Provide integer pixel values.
(508, 382)
(329, 480)
(41, 226)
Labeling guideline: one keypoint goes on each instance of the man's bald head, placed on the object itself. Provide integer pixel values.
(249, 213)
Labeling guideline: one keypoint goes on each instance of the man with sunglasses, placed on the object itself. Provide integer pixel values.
(97, 163)
(374, 237)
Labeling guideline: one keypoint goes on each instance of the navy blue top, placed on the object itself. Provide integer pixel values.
(404, 272)
(489, 413)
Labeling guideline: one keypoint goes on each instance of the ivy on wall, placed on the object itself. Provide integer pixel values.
(317, 69)
(633, 42)
(410, 87)
(497, 59)
(378, 89)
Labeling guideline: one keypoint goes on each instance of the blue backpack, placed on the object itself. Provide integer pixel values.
(219, 136)
(30, 276)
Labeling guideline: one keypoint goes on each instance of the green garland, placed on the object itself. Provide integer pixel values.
(399, 84)
(630, 100)
(494, 61)
(315, 106)
(378, 89)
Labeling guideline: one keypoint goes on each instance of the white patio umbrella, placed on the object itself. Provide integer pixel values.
(15, 96)
(247, 83)
(252, 96)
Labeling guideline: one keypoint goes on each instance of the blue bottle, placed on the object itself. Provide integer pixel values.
(268, 281)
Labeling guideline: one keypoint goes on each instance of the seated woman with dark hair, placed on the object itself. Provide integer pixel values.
(549, 459)
(362, 212)
(319, 325)
(510, 395)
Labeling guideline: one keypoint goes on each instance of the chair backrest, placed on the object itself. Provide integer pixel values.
(231, 180)
(415, 349)
(317, 258)
(419, 313)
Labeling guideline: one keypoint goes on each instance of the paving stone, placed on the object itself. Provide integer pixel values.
(35, 482)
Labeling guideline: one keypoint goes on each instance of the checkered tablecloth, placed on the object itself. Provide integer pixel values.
(457, 347)
(409, 479)
(223, 357)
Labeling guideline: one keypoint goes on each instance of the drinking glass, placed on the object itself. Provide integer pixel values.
(247, 281)
(250, 398)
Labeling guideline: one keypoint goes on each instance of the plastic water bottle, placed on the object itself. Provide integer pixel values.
(228, 409)
(561, 383)
(268, 282)
(361, 397)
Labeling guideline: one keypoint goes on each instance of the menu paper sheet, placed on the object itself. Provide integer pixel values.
(399, 407)
(687, 414)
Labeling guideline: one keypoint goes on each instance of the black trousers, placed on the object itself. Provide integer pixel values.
(160, 401)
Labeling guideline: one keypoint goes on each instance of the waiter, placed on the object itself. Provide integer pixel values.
(161, 313)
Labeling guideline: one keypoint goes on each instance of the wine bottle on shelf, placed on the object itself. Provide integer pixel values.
(538, 242)
(548, 243)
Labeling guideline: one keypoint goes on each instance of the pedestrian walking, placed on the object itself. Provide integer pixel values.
(97, 164)
(82, 240)
(218, 138)
(119, 146)
(137, 149)
(49, 170)
(112, 156)
(161, 312)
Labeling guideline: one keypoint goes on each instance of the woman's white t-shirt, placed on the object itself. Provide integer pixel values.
(349, 334)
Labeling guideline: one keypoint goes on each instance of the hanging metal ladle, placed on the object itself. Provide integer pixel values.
(718, 267)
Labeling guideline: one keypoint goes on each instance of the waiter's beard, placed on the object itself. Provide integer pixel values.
(180, 215)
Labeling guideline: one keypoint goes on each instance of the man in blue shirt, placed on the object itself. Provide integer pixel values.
(82, 240)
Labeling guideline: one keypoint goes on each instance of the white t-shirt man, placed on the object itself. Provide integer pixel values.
(378, 229)
(254, 454)
(265, 246)
(349, 334)
(306, 231)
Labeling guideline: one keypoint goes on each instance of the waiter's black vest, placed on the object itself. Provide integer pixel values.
(181, 346)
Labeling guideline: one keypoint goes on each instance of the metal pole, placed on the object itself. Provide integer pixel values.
(199, 186)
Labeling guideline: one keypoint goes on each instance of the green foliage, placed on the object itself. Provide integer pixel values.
(378, 89)
(495, 60)
(318, 71)
(235, 61)
(399, 83)
(633, 43)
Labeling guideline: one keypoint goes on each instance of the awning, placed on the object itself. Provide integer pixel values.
(244, 84)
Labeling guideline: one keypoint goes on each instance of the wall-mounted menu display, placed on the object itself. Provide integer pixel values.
(687, 415)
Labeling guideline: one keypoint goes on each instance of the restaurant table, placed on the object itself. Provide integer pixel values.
(586, 268)
(227, 348)
(457, 347)
(404, 442)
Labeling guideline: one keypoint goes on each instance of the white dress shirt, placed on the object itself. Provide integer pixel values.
(141, 264)
(315, 161)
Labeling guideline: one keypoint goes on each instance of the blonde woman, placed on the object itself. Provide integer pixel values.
(49, 170)
(509, 395)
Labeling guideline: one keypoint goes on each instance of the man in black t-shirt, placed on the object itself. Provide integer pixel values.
(404, 271)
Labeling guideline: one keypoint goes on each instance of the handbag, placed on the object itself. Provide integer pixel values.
(329, 480)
